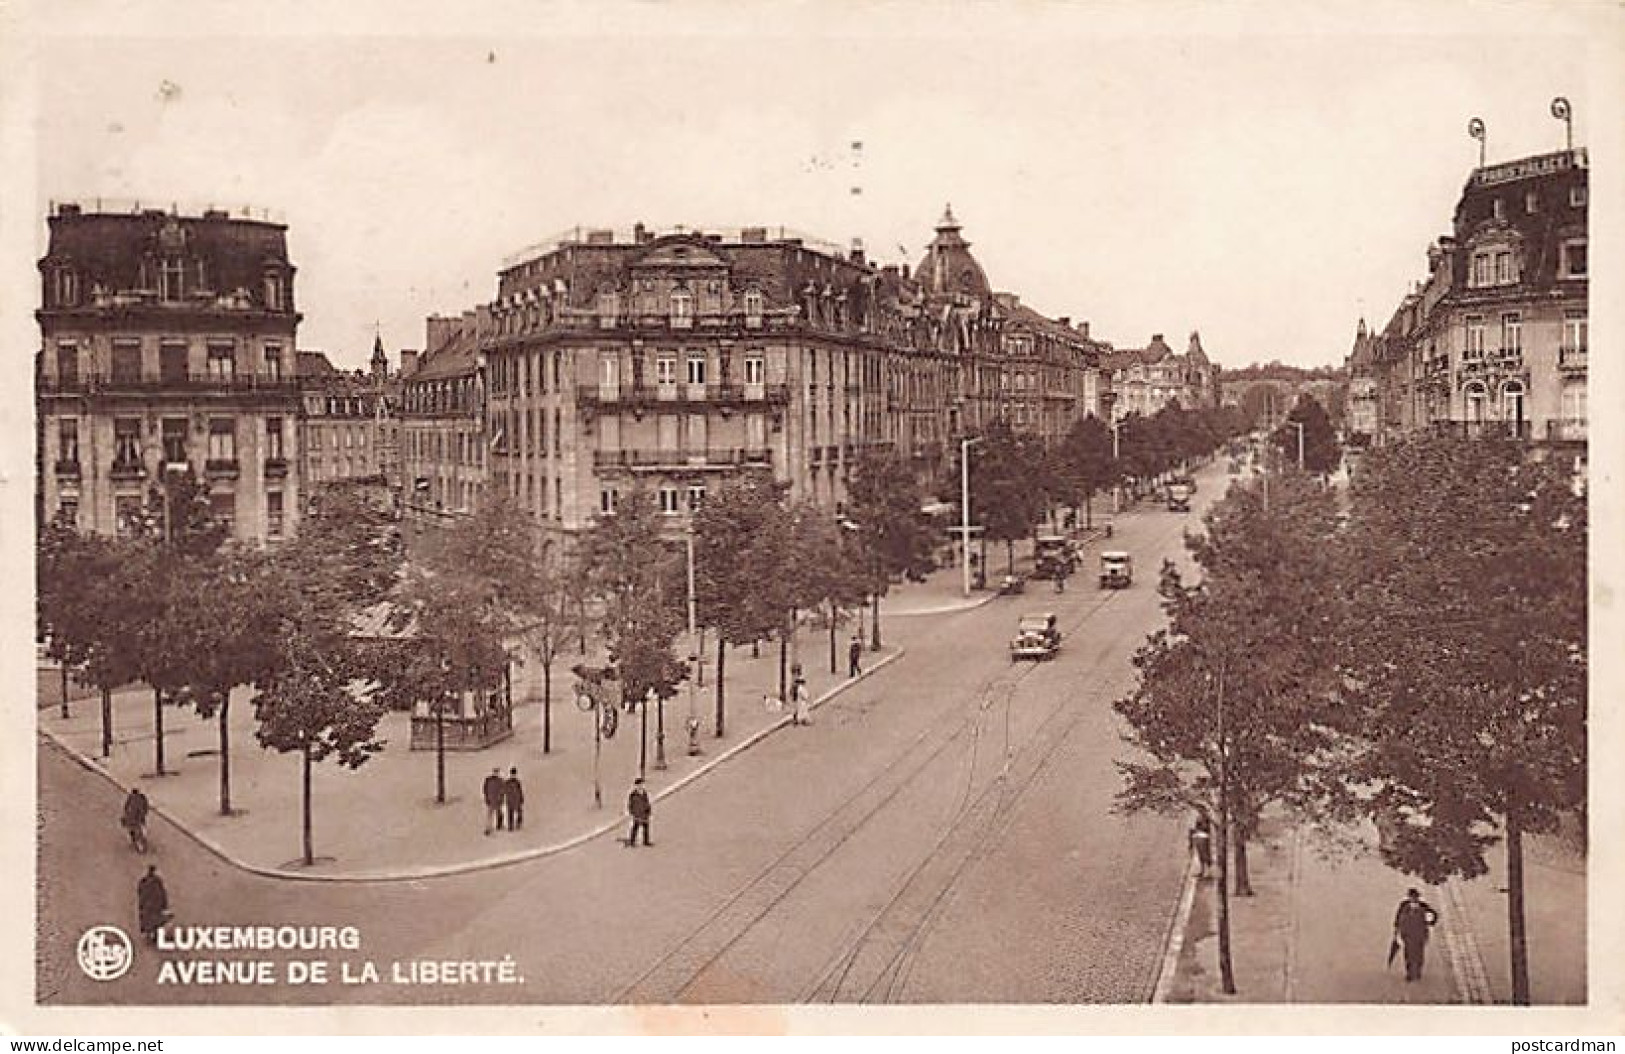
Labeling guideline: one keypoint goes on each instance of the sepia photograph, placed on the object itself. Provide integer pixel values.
(765, 517)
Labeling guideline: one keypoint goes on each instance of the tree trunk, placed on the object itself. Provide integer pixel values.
(1009, 556)
(64, 667)
(784, 658)
(107, 721)
(833, 668)
(440, 753)
(1515, 915)
(1227, 974)
(547, 706)
(225, 754)
(310, 847)
(722, 657)
(1088, 511)
(874, 626)
(158, 731)
(1244, 882)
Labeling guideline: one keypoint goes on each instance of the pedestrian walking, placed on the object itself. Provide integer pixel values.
(802, 698)
(1412, 921)
(135, 819)
(638, 807)
(151, 903)
(513, 798)
(854, 652)
(493, 791)
(1201, 839)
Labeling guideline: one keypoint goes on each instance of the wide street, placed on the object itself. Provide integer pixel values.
(943, 832)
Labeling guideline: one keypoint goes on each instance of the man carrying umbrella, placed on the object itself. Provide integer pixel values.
(1412, 921)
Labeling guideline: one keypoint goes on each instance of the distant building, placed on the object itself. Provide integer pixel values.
(168, 342)
(443, 439)
(1494, 339)
(1144, 380)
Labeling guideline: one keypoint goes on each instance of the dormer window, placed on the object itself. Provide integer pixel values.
(753, 305)
(1531, 202)
(273, 291)
(66, 291)
(171, 279)
(682, 307)
(1499, 208)
(1577, 197)
(1574, 258)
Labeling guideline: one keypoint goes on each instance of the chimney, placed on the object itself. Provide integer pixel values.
(905, 272)
(409, 361)
(601, 237)
(1065, 320)
(640, 234)
(753, 235)
(1083, 329)
(857, 255)
(67, 208)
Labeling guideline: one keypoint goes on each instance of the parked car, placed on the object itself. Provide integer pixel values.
(1037, 637)
(1116, 570)
(1054, 556)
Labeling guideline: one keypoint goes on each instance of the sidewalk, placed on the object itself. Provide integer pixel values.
(381, 821)
(1318, 927)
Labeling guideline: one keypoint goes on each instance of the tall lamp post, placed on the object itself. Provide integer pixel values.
(1299, 426)
(1117, 488)
(694, 652)
(964, 508)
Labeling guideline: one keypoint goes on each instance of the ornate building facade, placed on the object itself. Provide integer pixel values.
(677, 359)
(168, 343)
(1144, 380)
(1495, 338)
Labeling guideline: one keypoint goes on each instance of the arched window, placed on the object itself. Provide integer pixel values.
(1474, 396)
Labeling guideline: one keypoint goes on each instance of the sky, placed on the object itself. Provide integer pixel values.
(1153, 168)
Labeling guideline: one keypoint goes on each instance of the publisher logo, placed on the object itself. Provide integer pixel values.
(105, 953)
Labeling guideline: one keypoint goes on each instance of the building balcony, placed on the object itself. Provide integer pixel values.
(678, 396)
(125, 471)
(67, 469)
(679, 460)
(192, 382)
(221, 468)
(1566, 430)
(1572, 358)
(276, 468)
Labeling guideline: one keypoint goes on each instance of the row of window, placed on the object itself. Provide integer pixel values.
(1575, 327)
(174, 283)
(1531, 202)
(173, 431)
(1495, 265)
(174, 359)
(129, 510)
(695, 369)
(673, 500)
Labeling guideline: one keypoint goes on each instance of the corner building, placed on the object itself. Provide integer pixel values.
(678, 359)
(168, 342)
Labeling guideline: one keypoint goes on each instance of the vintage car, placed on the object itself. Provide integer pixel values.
(1037, 637)
(1010, 585)
(1179, 495)
(1116, 570)
(1054, 556)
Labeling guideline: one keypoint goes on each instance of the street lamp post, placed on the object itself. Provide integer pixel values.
(1299, 426)
(964, 508)
(1117, 487)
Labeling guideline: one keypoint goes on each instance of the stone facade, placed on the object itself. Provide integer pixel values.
(1495, 338)
(168, 341)
(678, 359)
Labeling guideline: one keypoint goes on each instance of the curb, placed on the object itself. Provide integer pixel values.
(447, 871)
(1175, 942)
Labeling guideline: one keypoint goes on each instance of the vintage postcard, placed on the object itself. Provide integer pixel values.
(700, 517)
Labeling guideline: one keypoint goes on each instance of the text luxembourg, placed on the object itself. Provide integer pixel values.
(259, 938)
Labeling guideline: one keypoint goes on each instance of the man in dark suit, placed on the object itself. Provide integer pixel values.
(638, 807)
(513, 796)
(493, 790)
(1412, 921)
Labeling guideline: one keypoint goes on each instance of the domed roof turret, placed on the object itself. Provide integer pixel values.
(948, 266)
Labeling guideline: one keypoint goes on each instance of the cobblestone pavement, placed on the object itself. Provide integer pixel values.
(941, 832)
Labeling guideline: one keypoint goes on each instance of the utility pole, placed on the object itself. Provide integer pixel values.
(964, 508)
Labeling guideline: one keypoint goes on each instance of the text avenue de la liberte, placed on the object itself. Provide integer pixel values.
(195, 965)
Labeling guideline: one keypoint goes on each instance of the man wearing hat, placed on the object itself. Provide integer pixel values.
(493, 790)
(1411, 924)
(637, 806)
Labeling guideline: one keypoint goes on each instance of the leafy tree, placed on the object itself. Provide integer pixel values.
(1321, 452)
(1235, 706)
(87, 612)
(1466, 655)
(733, 553)
(1006, 486)
(311, 703)
(1085, 463)
(638, 577)
(884, 505)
